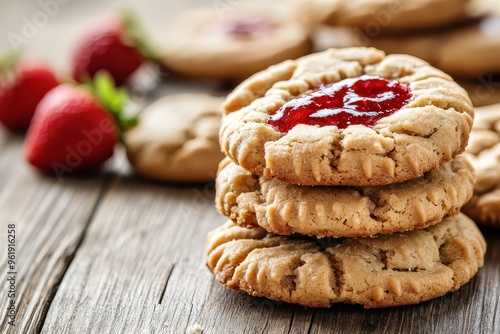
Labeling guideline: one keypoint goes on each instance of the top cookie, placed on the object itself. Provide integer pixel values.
(390, 15)
(429, 125)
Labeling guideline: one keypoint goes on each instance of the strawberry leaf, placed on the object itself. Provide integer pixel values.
(113, 99)
(9, 62)
(129, 121)
(136, 37)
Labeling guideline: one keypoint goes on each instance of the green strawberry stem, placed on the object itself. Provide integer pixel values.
(8, 62)
(136, 37)
(113, 99)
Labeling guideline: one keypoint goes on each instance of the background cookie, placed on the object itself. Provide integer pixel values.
(465, 50)
(469, 51)
(390, 15)
(390, 270)
(483, 91)
(252, 201)
(233, 43)
(484, 207)
(429, 130)
(177, 139)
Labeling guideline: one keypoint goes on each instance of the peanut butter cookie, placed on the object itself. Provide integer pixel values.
(484, 207)
(280, 208)
(177, 139)
(353, 117)
(389, 270)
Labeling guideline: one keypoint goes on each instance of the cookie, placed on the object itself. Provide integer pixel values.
(389, 270)
(480, 8)
(352, 117)
(483, 91)
(285, 209)
(176, 139)
(484, 207)
(235, 42)
(379, 16)
(470, 51)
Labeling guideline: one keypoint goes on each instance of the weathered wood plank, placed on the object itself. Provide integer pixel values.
(140, 267)
(142, 235)
(10, 154)
(50, 218)
(147, 235)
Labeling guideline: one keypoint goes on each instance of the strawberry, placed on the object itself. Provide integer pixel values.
(114, 44)
(22, 85)
(76, 129)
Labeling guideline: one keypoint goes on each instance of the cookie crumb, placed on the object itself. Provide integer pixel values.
(194, 329)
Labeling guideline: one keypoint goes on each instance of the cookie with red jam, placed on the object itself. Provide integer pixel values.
(352, 117)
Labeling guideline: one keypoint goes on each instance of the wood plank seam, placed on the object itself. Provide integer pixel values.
(312, 322)
(106, 185)
(291, 320)
(164, 289)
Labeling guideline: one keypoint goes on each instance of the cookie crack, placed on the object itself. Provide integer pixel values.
(336, 150)
(407, 270)
(425, 136)
(383, 258)
(375, 204)
(291, 280)
(338, 286)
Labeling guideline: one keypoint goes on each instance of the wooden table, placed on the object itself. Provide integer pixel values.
(112, 253)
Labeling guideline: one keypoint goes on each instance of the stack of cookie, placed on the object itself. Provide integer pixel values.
(344, 181)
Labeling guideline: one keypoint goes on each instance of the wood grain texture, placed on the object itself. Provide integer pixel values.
(10, 154)
(145, 235)
(111, 253)
(142, 236)
(50, 218)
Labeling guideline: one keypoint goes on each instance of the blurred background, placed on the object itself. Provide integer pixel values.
(55, 37)
(129, 227)
(49, 29)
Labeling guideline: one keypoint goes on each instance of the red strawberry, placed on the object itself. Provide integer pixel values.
(74, 129)
(22, 86)
(113, 44)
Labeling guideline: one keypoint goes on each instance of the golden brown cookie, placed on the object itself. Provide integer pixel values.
(389, 270)
(280, 208)
(480, 8)
(234, 42)
(429, 125)
(377, 16)
(484, 207)
(483, 91)
(177, 139)
(470, 51)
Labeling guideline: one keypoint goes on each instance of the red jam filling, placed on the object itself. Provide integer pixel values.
(249, 27)
(363, 100)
